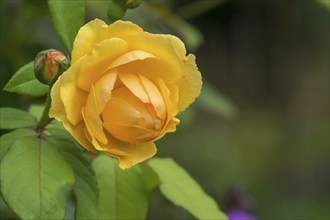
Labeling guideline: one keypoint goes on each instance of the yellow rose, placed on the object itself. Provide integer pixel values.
(124, 89)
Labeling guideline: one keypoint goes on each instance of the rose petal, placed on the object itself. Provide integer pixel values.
(96, 31)
(174, 96)
(78, 133)
(169, 50)
(103, 88)
(88, 35)
(92, 118)
(57, 107)
(155, 96)
(190, 85)
(171, 122)
(73, 98)
(118, 111)
(93, 65)
(130, 133)
(148, 116)
(135, 153)
(133, 83)
(57, 111)
(130, 57)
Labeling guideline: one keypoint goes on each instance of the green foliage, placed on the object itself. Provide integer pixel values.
(36, 110)
(35, 179)
(24, 82)
(214, 102)
(8, 139)
(178, 186)
(11, 118)
(123, 194)
(192, 37)
(68, 17)
(324, 3)
(85, 187)
(42, 167)
(42, 156)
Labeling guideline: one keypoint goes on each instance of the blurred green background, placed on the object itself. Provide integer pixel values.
(263, 126)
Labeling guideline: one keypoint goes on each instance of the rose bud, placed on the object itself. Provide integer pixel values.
(49, 64)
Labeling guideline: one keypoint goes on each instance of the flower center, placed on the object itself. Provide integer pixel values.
(136, 111)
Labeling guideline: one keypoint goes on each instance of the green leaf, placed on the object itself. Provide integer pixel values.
(36, 110)
(85, 187)
(11, 118)
(35, 179)
(8, 139)
(122, 193)
(68, 17)
(24, 82)
(149, 177)
(191, 36)
(214, 102)
(179, 187)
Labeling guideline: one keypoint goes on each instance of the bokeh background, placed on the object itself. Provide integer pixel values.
(258, 137)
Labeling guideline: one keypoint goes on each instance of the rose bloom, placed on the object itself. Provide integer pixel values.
(124, 89)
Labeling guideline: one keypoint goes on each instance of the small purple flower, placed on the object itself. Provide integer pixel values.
(239, 214)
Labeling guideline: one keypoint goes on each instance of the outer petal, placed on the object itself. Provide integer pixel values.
(96, 31)
(169, 49)
(136, 154)
(190, 84)
(95, 63)
(129, 154)
(92, 118)
(57, 111)
(103, 89)
(130, 57)
(78, 133)
(88, 35)
(174, 94)
(73, 98)
(171, 122)
(58, 108)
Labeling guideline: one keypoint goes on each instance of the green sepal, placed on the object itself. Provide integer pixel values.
(181, 189)
(24, 82)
